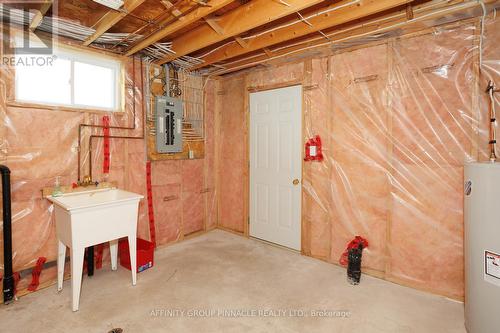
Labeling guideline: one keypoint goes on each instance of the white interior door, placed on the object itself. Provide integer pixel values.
(275, 162)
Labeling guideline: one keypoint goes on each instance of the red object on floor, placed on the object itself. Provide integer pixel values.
(151, 214)
(105, 123)
(145, 254)
(352, 245)
(35, 274)
(17, 278)
(98, 256)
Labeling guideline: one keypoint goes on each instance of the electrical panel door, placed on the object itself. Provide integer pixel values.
(168, 124)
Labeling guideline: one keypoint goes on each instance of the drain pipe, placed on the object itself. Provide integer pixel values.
(8, 279)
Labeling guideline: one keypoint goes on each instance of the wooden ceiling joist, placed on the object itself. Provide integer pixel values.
(37, 19)
(189, 18)
(111, 18)
(170, 6)
(244, 18)
(348, 10)
(422, 13)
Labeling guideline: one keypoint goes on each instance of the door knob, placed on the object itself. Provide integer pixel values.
(296, 181)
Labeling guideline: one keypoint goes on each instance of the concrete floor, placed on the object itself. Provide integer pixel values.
(195, 285)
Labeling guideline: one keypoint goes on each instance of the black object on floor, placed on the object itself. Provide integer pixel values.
(8, 279)
(354, 265)
(116, 330)
(90, 261)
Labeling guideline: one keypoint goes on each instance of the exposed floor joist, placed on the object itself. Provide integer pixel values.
(335, 14)
(190, 18)
(111, 18)
(37, 19)
(237, 21)
(170, 6)
(399, 19)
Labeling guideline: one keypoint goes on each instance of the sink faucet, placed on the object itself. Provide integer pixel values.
(87, 181)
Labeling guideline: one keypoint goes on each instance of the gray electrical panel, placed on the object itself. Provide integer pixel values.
(168, 124)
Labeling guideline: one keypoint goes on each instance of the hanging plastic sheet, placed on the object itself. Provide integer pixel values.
(39, 144)
(398, 120)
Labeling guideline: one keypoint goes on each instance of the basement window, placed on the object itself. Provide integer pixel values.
(72, 79)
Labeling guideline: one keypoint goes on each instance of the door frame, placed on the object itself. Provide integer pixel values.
(246, 220)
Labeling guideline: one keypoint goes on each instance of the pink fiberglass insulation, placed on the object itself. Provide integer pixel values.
(398, 120)
(40, 144)
(231, 154)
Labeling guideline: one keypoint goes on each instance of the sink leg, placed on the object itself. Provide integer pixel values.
(61, 257)
(76, 275)
(132, 245)
(113, 250)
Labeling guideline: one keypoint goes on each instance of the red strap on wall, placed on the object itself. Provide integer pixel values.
(105, 123)
(151, 215)
(35, 274)
(98, 256)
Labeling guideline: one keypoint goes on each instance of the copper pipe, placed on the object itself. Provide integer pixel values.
(493, 140)
(133, 127)
(117, 136)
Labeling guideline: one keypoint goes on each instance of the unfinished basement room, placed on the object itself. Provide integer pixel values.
(250, 166)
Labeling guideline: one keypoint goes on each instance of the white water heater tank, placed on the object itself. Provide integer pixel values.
(482, 247)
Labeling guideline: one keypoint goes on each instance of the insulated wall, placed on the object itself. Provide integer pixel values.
(398, 119)
(38, 144)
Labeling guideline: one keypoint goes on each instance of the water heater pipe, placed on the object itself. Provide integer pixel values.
(493, 122)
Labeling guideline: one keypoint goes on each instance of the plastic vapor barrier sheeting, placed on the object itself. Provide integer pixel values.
(398, 120)
(39, 144)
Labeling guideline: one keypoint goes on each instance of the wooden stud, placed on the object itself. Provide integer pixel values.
(212, 22)
(241, 41)
(409, 12)
(246, 173)
(306, 167)
(390, 49)
(203, 3)
(111, 18)
(217, 139)
(180, 24)
(337, 17)
(475, 122)
(170, 6)
(37, 19)
(268, 52)
(235, 22)
(331, 123)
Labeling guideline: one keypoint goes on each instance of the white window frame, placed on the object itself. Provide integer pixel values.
(92, 58)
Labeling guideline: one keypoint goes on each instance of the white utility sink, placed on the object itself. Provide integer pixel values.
(89, 218)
